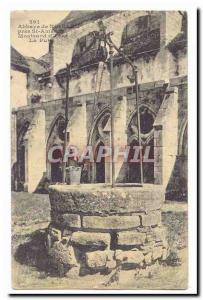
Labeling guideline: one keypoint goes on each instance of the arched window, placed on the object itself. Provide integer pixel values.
(56, 138)
(147, 141)
(141, 34)
(100, 137)
(88, 50)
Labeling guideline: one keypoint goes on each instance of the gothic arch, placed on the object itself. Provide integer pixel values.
(183, 129)
(103, 112)
(53, 123)
(146, 137)
(23, 129)
(55, 137)
(100, 172)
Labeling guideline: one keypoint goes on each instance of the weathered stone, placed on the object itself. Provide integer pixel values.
(99, 259)
(165, 253)
(73, 272)
(71, 220)
(159, 233)
(129, 257)
(91, 239)
(111, 222)
(104, 200)
(54, 233)
(131, 238)
(157, 253)
(148, 258)
(60, 253)
(146, 248)
(153, 218)
(111, 264)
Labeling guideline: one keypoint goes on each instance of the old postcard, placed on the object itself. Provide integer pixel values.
(99, 124)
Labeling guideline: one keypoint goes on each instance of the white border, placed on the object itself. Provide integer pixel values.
(5, 7)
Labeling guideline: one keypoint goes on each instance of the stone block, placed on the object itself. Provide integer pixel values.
(99, 259)
(157, 253)
(92, 240)
(165, 254)
(148, 247)
(152, 218)
(111, 222)
(148, 258)
(160, 233)
(129, 257)
(103, 200)
(63, 254)
(131, 238)
(71, 220)
(73, 273)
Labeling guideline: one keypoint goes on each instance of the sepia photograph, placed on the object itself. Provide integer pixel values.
(99, 149)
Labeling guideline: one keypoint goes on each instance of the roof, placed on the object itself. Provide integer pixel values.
(38, 66)
(78, 17)
(18, 60)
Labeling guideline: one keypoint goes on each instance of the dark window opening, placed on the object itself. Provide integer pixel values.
(100, 167)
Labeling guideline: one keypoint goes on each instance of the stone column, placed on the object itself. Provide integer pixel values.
(166, 137)
(36, 151)
(77, 127)
(120, 137)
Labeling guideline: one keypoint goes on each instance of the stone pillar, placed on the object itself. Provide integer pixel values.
(120, 136)
(35, 150)
(166, 137)
(77, 127)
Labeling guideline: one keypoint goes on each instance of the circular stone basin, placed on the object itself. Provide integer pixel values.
(102, 199)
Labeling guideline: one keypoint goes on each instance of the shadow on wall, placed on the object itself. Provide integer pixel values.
(177, 186)
(43, 186)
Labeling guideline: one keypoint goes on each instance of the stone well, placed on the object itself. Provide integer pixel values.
(96, 228)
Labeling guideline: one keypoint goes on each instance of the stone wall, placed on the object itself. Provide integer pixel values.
(151, 95)
(95, 228)
(35, 151)
(18, 89)
(154, 71)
